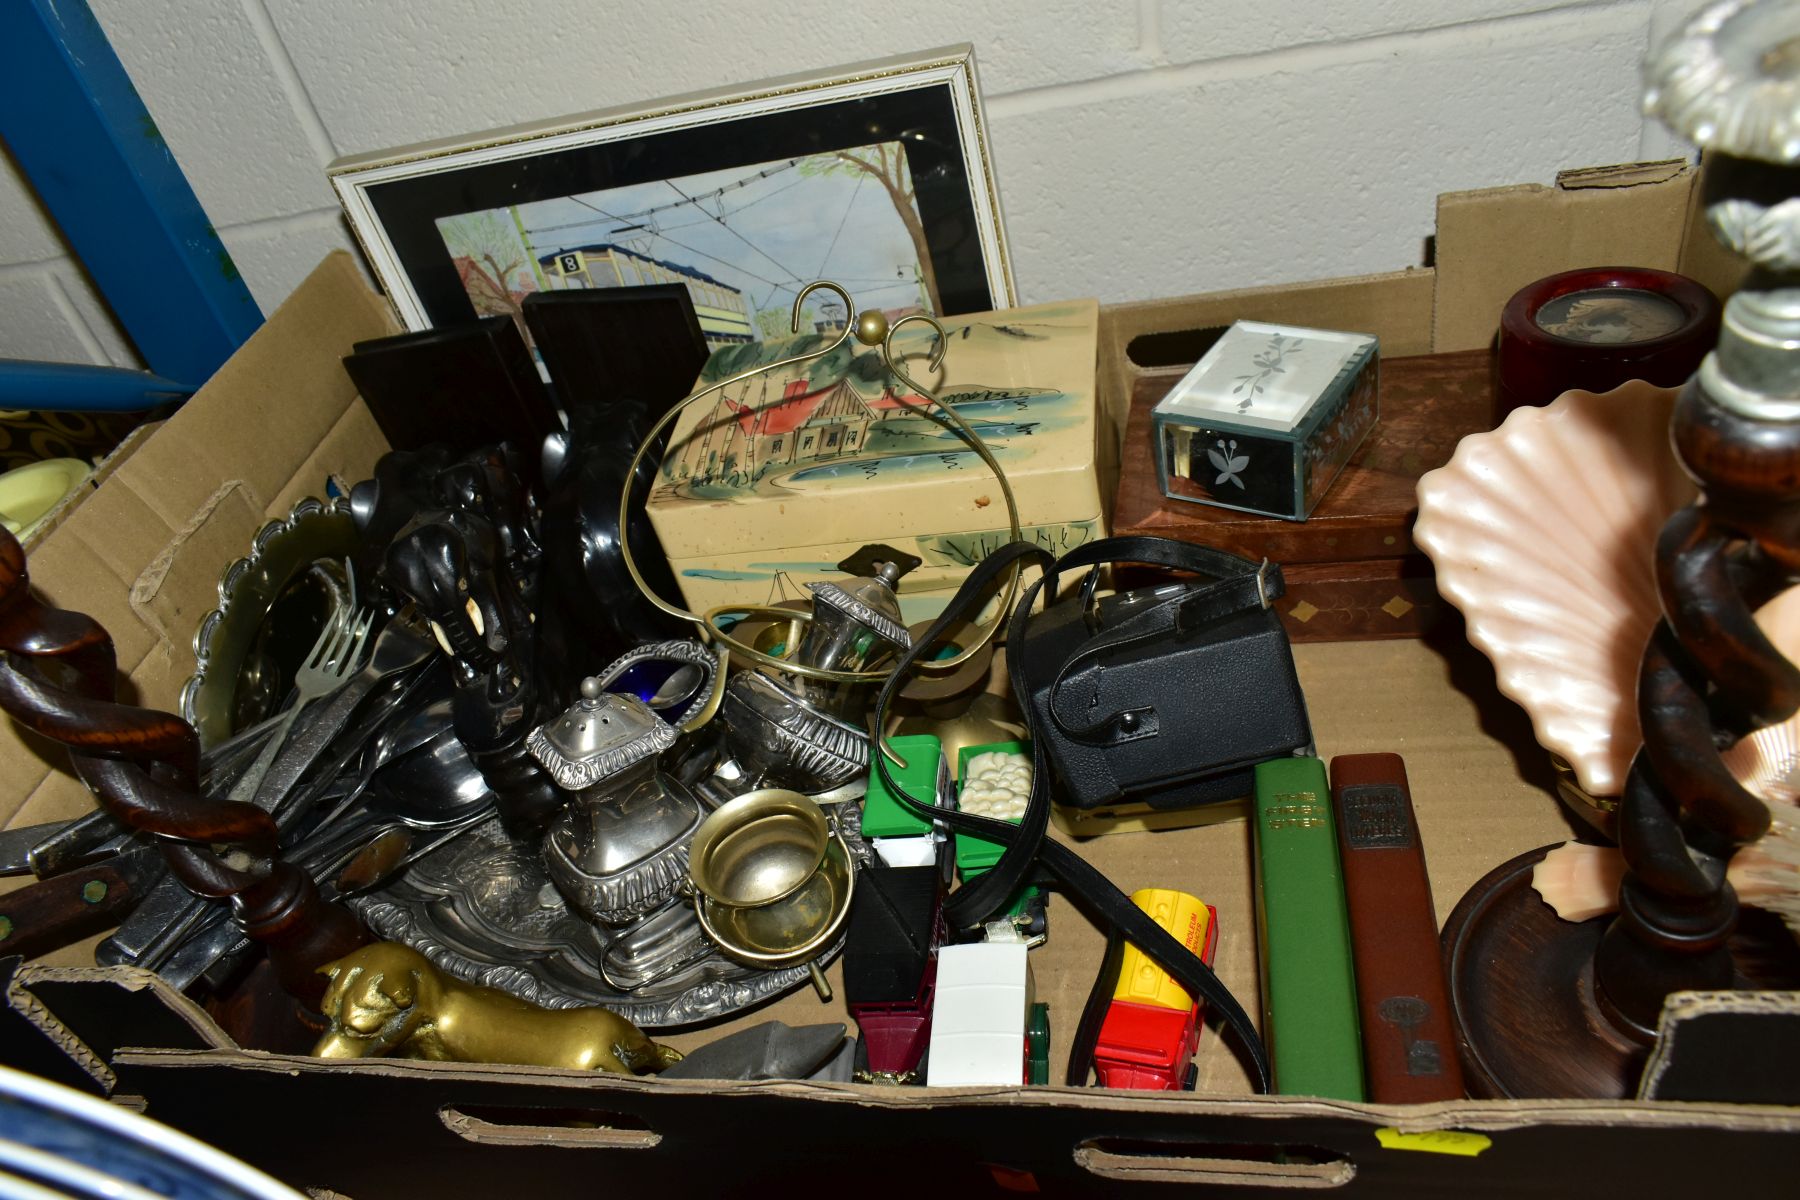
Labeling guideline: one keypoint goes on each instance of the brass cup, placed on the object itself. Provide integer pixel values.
(772, 884)
(791, 930)
(766, 631)
(758, 848)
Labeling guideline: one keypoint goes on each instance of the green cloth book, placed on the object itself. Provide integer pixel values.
(1309, 980)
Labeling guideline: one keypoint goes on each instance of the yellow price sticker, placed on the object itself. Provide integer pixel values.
(1434, 1141)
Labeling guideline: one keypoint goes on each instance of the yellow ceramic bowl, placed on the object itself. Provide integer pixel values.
(28, 493)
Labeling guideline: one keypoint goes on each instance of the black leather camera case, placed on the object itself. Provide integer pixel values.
(1167, 696)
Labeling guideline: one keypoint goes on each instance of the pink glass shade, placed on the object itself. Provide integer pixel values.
(1767, 873)
(1768, 761)
(1543, 533)
(1581, 881)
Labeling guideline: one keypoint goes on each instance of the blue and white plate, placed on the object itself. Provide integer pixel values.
(56, 1142)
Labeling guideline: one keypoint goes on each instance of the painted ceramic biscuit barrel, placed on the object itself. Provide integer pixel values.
(770, 484)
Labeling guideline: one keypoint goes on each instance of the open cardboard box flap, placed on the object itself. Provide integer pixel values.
(143, 550)
(1493, 242)
(405, 1129)
(1489, 243)
(143, 553)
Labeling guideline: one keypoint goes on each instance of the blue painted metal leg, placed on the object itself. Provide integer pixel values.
(73, 387)
(73, 120)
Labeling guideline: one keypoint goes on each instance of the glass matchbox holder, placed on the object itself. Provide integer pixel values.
(1267, 418)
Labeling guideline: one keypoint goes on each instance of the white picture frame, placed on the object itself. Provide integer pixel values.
(930, 103)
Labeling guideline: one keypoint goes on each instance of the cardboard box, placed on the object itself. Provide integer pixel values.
(379, 1129)
(773, 481)
(143, 549)
(1489, 243)
(1351, 569)
(279, 419)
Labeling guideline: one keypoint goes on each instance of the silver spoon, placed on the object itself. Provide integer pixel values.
(398, 737)
(433, 786)
(678, 688)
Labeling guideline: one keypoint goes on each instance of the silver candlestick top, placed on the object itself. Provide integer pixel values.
(1755, 370)
(1729, 80)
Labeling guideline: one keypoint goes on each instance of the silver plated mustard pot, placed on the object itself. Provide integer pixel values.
(619, 849)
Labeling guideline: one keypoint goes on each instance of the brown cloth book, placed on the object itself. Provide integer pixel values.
(1409, 1048)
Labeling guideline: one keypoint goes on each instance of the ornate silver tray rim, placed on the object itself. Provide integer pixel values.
(272, 539)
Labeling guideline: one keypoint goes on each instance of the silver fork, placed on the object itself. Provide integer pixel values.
(402, 646)
(332, 663)
(329, 666)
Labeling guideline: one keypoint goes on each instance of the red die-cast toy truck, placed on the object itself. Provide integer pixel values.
(1152, 1027)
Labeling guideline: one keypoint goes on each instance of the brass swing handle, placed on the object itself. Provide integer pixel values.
(871, 329)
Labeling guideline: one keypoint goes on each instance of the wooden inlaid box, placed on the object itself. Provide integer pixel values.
(1352, 569)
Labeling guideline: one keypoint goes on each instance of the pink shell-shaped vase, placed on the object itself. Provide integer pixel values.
(1543, 533)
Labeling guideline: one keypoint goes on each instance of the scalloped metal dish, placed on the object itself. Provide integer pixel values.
(486, 912)
(314, 531)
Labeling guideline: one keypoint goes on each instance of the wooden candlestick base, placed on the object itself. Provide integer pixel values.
(255, 1011)
(1528, 1024)
(1547, 1009)
(1529, 1021)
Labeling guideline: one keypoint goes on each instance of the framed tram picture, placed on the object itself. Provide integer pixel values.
(875, 176)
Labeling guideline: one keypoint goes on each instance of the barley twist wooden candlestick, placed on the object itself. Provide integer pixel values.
(1547, 1008)
(57, 678)
(1709, 674)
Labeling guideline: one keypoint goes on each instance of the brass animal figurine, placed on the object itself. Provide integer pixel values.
(387, 998)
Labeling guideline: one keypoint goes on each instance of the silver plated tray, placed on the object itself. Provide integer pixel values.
(486, 912)
(272, 604)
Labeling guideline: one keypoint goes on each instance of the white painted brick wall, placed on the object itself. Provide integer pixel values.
(1194, 32)
(48, 310)
(388, 74)
(1143, 149)
(1304, 164)
(39, 321)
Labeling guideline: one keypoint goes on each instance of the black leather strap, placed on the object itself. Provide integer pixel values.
(1093, 1013)
(1026, 843)
(1158, 552)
